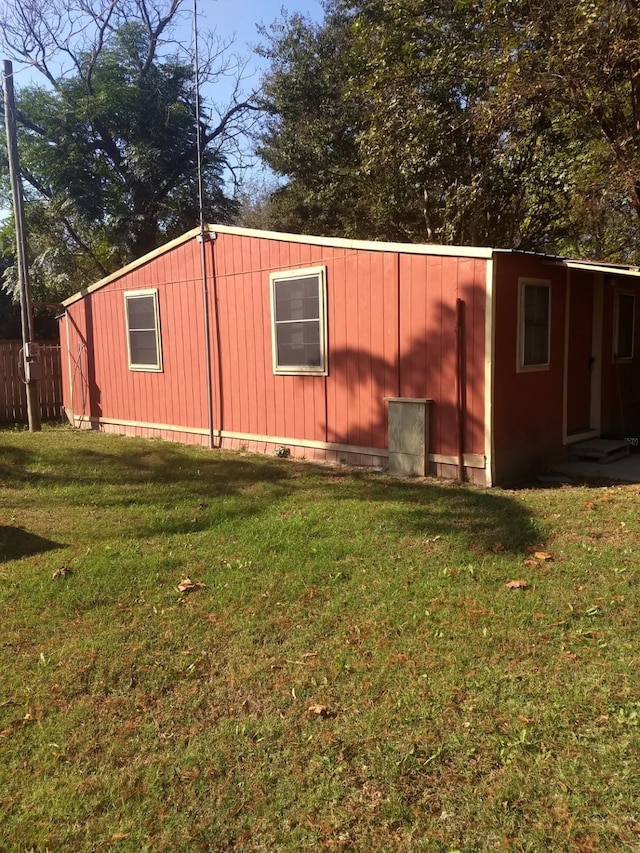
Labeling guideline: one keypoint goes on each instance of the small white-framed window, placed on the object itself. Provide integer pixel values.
(534, 324)
(298, 321)
(624, 325)
(143, 329)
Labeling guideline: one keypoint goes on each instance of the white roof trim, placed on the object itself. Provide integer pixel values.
(132, 266)
(332, 242)
(369, 245)
(607, 269)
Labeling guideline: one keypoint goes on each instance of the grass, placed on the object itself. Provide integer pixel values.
(354, 676)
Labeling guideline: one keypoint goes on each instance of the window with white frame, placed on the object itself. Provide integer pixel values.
(143, 330)
(298, 321)
(625, 309)
(535, 324)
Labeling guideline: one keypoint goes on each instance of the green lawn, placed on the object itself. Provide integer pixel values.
(356, 675)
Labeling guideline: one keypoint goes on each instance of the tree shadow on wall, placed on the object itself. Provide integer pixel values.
(16, 542)
(422, 364)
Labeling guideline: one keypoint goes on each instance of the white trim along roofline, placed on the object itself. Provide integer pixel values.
(343, 243)
(332, 242)
(595, 266)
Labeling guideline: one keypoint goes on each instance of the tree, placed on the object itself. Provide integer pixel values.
(310, 127)
(378, 119)
(109, 142)
(459, 121)
(583, 57)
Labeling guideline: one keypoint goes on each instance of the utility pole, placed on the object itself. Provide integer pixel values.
(29, 347)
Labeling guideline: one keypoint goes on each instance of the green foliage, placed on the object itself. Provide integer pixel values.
(109, 149)
(311, 128)
(502, 123)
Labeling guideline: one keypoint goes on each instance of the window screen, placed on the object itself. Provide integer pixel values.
(534, 325)
(298, 314)
(143, 330)
(625, 317)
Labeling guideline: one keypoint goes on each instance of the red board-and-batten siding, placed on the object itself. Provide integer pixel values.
(99, 387)
(391, 321)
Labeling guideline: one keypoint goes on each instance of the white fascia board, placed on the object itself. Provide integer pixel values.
(167, 247)
(330, 242)
(606, 269)
(367, 245)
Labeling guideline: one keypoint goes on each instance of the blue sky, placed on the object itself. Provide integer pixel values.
(231, 19)
(240, 19)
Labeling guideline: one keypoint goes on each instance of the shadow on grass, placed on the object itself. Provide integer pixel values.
(213, 486)
(15, 542)
(486, 519)
(90, 459)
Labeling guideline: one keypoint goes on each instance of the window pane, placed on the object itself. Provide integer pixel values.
(535, 324)
(297, 299)
(626, 311)
(143, 347)
(141, 311)
(299, 344)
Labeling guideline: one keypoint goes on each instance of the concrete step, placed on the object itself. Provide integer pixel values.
(600, 450)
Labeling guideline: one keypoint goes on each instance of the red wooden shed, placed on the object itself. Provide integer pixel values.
(425, 359)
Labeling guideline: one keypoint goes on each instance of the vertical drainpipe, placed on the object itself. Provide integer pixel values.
(217, 361)
(202, 239)
(460, 384)
(204, 231)
(69, 368)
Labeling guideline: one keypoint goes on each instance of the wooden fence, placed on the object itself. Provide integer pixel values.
(13, 395)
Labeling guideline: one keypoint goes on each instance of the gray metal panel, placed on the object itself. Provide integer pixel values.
(408, 436)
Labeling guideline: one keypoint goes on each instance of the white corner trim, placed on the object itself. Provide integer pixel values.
(489, 369)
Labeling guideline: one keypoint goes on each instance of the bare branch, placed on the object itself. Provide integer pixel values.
(155, 30)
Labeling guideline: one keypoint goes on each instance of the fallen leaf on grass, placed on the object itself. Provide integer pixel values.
(544, 556)
(187, 585)
(530, 562)
(517, 584)
(120, 836)
(498, 548)
(62, 572)
(318, 711)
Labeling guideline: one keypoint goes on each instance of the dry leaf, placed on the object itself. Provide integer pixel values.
(317, 711)
(498, 548)
(545, 556)
(187, 585)
(62, 572)
(589, 505)
(120, 836)
(517, 584)
(530, 562)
